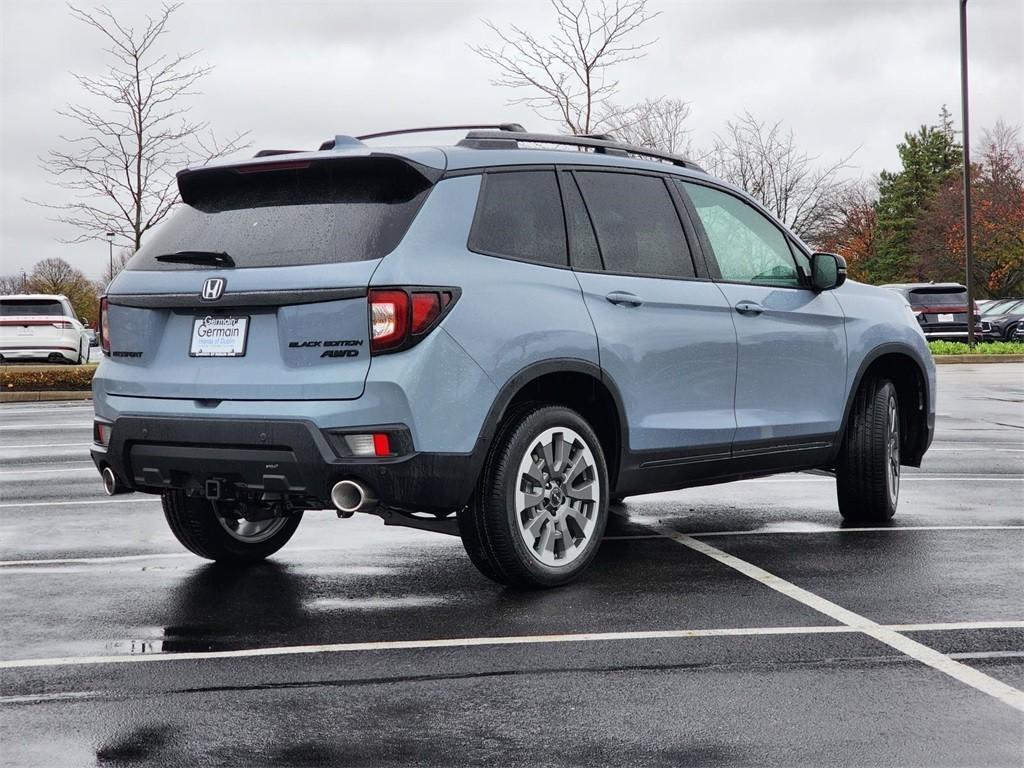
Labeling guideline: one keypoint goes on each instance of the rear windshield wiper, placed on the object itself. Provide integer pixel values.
(211, 258)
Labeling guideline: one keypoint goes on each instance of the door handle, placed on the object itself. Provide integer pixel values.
(749, 308)
(624, 299)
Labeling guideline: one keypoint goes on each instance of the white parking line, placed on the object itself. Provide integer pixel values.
(466, 642)
(887, 529)
(21, 505)
(915, 650)
(86, 466)
(53, 445)
(39, 427)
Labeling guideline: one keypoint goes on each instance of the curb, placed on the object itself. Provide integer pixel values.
(971, 359)
(33, 397)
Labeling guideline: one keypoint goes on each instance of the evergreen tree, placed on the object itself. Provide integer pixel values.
(930, 158)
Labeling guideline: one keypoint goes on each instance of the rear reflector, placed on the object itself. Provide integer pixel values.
(101, 432)
(377, 444)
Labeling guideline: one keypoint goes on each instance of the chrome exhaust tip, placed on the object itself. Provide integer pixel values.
(351, 496)
(111, 485)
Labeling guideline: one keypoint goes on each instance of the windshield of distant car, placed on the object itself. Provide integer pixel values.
(1001, 307)
(23, 307)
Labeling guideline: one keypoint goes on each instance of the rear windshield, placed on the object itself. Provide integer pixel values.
(47, 307)
(939, 297)
(294, 214)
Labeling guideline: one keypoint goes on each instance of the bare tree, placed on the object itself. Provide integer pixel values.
(567, 72)
(16, 283)
(121, 259)
(134, 132)
(764, 160)
(656, 123)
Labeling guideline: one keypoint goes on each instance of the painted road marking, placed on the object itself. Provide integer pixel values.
(76, 503)
(54, 445)
(80, 466)
(465, 642)
(915, 650)
(38, 427)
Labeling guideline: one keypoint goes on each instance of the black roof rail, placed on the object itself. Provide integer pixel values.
(504, 127)
(269, 152)
(600, 145)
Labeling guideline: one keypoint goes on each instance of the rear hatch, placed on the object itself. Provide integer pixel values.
(256, 287)
(31, 322)
(941, 306)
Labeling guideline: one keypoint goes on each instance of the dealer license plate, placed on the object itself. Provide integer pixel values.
(945, 317)
(219, 336)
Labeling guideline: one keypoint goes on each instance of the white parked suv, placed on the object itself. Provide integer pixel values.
(41, 327)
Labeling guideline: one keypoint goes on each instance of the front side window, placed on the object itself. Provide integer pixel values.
(520, 216)
(747, 246)
(637, 226)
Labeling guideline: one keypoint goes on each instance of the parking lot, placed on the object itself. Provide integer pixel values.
(728, 625)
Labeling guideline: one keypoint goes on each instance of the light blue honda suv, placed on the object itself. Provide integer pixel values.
(496, 339)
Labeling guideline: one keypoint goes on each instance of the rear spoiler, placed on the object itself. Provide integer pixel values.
(199, 183)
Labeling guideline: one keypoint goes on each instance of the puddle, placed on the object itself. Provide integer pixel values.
(374, 603)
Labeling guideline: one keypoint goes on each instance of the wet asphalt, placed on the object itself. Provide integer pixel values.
(146, 655)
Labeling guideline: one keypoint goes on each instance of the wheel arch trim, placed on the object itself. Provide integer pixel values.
(891, 348)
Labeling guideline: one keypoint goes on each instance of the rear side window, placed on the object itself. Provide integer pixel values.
(519, 215)
(938, 297)
(637, 226)
(44, 307)
(297, 213)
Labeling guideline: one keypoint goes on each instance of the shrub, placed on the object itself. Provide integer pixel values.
(981, 348)
(46, 378)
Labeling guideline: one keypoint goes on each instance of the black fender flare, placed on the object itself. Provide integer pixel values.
(532, 372)
(866, 362)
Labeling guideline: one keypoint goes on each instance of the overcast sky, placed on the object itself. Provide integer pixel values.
(842, 73)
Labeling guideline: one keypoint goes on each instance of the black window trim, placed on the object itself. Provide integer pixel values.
(666, 179)
(789, 238)
(484, 173)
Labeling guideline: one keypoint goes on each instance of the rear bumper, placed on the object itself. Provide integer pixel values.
(291, 457)
(38, 353)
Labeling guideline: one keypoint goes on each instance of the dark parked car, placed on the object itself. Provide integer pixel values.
(940, 308)
(1001, 325)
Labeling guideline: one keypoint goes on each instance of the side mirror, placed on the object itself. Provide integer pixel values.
(828, 271)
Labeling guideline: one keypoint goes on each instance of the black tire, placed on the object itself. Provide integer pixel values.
(195, 524)
(868, 493)
(490, 525)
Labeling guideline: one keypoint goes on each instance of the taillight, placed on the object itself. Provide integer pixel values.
(400, 317)
(62, 324)
(389, 319)
(104, 326)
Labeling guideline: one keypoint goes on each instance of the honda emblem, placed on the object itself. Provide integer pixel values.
(213, 289)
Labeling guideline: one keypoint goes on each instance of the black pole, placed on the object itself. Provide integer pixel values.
(968, 237)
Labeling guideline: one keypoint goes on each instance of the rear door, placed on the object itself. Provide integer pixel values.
(289, 319)
(790, 386)
(665, 336)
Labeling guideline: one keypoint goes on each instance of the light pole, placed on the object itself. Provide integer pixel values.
(968, 238)
(110, 242)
